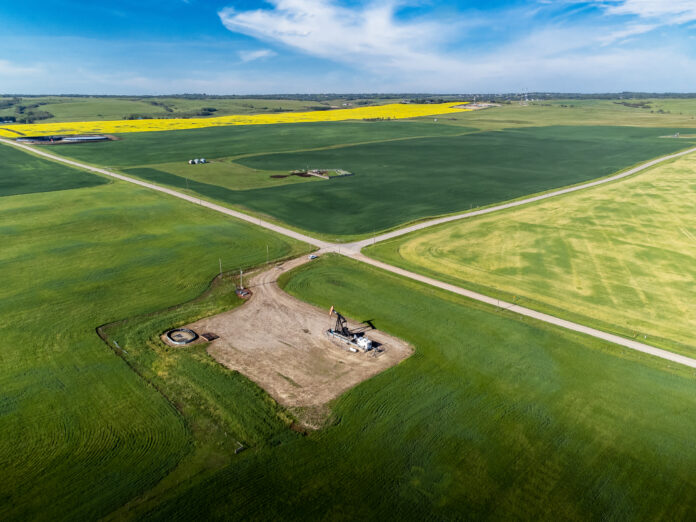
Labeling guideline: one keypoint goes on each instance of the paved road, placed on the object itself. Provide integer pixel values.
(353, 249)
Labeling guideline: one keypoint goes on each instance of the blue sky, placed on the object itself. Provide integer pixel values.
(288, 46)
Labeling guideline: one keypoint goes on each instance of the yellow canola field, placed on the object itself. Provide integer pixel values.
(390, 111)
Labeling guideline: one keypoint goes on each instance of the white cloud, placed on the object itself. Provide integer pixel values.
(669, 11)
(15, 70)
(368, 35)
(654, 13)
(627, 32)
(416, 54)
(250, 56)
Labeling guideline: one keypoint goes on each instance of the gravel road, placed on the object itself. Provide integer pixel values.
(353, 249)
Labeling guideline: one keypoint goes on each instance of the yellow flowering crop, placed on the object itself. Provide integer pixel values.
(390, 111)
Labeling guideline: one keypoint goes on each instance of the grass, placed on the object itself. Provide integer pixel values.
(82, 434)
(493, 418)
(23, 174)
(223, 410)
(615, 256)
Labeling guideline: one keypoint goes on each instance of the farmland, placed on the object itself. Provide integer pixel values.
(147, 148)
(96, 108)
(404, 171)
(619, 256)
(666, 113)
(138, 124)
(493, 417)
(401, 181)
(23, 174)
(93, 433)
(507, 406)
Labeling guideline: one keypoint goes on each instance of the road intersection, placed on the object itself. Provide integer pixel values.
(353, 250)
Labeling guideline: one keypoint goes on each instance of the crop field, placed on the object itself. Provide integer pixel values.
(77, 109)
(404, 171)
(386, 111)
(400, 181)
(492, 417)
(220, 172)
(93, 433)
(619, 256)
(665, 113)
(22, 173)
(96, 108)
(146, 148)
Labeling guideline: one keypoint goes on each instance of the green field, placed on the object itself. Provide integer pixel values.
(619, 256)
(220, 172)
(97, 108)
(81, 433)
(22, 173)
(493, 418)
(401, 181)
(666, 113)
(662, 112)
(145, 148)
(404, 171)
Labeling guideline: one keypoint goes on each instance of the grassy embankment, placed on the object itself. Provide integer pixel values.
(81, 433)
(435, 169)
(619, 257)
(493, 418)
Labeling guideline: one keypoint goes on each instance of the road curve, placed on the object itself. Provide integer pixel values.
(352, 250)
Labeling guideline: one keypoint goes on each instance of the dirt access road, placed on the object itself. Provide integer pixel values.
(280, 343)
(353, 249)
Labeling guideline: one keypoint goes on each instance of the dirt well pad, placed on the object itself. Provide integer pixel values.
(280, 343)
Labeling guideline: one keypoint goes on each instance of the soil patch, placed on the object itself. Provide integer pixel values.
(280, 343)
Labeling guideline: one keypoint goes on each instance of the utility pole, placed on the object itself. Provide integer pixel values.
(220, 259)
(241, 279)
(266, 254)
